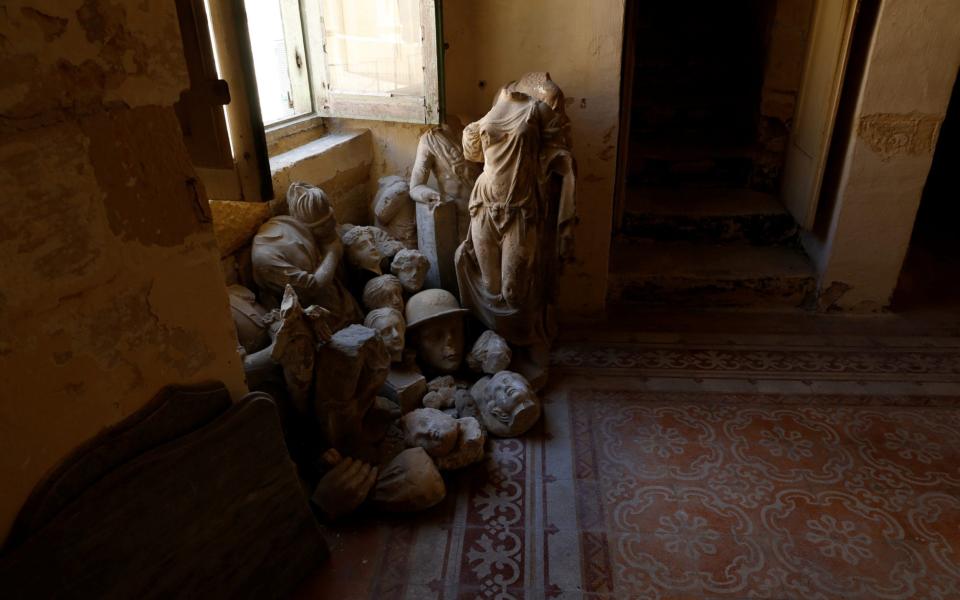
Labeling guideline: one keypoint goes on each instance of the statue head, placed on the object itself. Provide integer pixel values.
(433, 430)
(384, 291)
(508, 405)
(435, 320)
(309, 205)
(389, 323)
(410, 266)
(362, 250)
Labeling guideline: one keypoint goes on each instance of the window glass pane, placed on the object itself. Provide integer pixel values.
(270, 61)
(374, 46)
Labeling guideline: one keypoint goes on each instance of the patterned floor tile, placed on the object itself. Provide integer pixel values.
(760, 471)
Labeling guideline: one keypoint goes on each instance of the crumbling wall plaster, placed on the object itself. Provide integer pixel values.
(110, 284)
(911, 65)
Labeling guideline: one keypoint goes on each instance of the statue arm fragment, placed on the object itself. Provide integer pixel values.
(419, 190)
(327, 270)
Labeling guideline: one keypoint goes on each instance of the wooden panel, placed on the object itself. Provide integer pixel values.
(173, 412)
(217, 513)
(826, 62)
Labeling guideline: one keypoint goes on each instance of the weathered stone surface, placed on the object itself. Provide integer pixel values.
(409, 482)
(235, 223)
(469, 448)
(393, 210)
(437, 239)
(350, 369)
(508, 405)
(405, 386)
(490, 354)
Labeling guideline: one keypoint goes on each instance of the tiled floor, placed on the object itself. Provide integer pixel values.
(711, 466)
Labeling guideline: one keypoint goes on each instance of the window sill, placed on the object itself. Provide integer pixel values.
(339, 163)
(292, 133)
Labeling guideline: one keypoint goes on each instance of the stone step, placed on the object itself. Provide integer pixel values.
(687, 274)
(706, 214)
(696, 161)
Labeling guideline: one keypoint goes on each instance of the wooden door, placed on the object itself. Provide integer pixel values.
(827, 53)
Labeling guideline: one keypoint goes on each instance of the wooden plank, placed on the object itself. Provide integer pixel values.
(217, 513)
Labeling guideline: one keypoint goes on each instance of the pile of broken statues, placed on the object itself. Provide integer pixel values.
(395, 349)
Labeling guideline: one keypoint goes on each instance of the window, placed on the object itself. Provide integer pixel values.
(368, 59)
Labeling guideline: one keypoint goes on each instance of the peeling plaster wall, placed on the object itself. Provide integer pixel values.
(580, 44)
(110, 285)
(910, 69)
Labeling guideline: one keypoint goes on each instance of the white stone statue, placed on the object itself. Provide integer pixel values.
(435, 324)
(369, 248)
(394, 212)
(508, 405)
(389, 323)
(304, 251)
(441, 211)
(384, 291)
(453, 443)
(521, 210)
(410, 266)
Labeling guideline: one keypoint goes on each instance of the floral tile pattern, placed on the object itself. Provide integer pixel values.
(637, 494)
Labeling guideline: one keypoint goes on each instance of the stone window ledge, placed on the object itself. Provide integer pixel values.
(339, 163)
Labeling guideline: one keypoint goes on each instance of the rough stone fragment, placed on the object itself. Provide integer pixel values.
(469, 448)
(406, 386)
(490, 354)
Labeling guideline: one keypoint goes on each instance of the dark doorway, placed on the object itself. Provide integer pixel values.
(930, 278)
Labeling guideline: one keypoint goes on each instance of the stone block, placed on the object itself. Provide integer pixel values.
(437, 239)
(406, 387)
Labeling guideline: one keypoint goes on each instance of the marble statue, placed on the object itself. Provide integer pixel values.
(384, 291)
(435, 324)
(452, 443)
(490, 354)
(508, 405)
(410, 267)
(430, 429)
(441, 212)
(394, 212)
(521, 211)
(250, 319)
(388, 322)
(351, 368)
(369, 248)
(409, 482)
(344, 487)
(304, 251)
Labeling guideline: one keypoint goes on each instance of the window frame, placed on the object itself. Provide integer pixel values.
(425, 109)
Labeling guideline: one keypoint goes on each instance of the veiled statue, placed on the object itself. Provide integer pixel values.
(522, 210)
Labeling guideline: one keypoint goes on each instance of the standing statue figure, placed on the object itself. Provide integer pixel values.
(522, 212)
(443, 217)
(303, 250)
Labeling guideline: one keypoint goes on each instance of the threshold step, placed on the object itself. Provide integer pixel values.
(709, 275)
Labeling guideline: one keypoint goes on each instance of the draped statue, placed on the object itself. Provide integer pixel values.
(522, 210)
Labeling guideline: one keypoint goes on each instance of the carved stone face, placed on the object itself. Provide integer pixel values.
(392, 328)
(440, 343)
(410, 266)
(362, 252)
(508, 405)
(384, 291)
(430, 429)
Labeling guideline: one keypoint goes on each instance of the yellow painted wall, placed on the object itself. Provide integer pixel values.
(110, 284)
